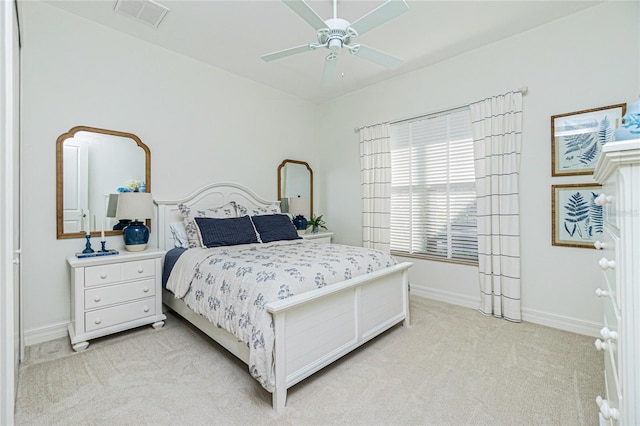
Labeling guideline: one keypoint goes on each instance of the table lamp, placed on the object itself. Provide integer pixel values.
(136, 206)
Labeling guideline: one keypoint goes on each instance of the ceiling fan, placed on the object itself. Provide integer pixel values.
(335, 34)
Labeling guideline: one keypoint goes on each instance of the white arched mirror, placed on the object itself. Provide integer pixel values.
(91, 164)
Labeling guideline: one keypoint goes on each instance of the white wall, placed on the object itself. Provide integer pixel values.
(200, 123)
(587, 60)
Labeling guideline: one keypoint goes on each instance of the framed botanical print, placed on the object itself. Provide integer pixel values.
(577, 138)
(576, 220)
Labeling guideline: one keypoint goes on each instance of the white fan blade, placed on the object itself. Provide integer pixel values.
(286, 52)
(329, 70)
(378, 16)
(306, 13)
(373, 55)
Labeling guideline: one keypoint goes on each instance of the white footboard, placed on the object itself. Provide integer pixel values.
(316, 328)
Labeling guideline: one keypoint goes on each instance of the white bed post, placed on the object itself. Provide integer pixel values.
(405, 287)
(279, 395)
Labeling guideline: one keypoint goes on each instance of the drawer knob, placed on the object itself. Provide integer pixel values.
(146, 309)
(603, 199)
(600, 345)
(608, 334)
(97, 320)
(103, 275)
(607, 411)
(600, 245)
(97, 299)
(140, 269)
(601, 293)
(607, 264)
(146, 289)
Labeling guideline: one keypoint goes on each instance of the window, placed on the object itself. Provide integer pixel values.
(433, 195)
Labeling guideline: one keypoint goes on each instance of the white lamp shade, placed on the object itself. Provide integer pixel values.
(299, 205)
(134, 206)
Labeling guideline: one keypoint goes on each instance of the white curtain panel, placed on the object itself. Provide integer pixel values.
(375, 173)
(497, 135)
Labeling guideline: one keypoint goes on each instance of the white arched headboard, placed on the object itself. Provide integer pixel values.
(209, 196)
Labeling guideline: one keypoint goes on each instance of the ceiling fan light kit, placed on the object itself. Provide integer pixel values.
(335, 33)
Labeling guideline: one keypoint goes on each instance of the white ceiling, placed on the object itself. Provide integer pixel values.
(232, 35)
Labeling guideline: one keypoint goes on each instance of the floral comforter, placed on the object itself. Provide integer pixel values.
(231, 286)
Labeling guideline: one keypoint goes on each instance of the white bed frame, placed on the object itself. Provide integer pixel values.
(312, 329)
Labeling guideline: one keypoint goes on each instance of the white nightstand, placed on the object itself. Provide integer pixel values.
(319, 237)
(114, 293)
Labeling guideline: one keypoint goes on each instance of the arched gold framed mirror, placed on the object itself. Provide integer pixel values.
(91, 164)
(295, 179)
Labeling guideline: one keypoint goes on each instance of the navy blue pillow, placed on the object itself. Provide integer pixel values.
(230, 231)
(275, 227)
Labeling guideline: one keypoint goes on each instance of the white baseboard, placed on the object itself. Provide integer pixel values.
(445, 296)
(587, 328)
(573, 325)
(44, 334)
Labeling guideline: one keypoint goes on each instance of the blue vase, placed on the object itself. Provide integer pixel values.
(136, 236)
(300, 222)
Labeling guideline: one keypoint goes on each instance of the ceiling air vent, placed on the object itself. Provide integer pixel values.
(146, 11)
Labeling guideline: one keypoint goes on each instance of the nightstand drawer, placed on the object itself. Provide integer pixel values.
(113, 273)
(103, 274)
(137, 270)
(323, 240)
(109, 295)
(114, 315)
(318, 237)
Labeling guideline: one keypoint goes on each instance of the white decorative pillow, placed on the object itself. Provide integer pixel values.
(193, 237)
(179, 233)
(273, 208)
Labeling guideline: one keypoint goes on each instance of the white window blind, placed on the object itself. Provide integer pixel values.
(433, 195)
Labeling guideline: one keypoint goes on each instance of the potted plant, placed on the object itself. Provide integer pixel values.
(315, 223)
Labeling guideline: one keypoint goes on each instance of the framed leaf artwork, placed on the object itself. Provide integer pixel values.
(576, 220)
(577, 138)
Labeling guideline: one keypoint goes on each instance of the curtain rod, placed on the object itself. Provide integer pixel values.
(523, 90)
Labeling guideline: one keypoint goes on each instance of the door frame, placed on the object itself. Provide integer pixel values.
(10, 311)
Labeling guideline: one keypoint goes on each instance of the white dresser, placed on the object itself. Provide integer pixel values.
(618, 170)
(110, 294)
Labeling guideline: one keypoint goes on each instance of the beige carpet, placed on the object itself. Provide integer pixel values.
(454, 366)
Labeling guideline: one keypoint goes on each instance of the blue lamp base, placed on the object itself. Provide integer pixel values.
(300, 222)
(136, 236)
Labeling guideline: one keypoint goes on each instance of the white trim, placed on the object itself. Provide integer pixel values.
(444, 296)
(45, 334)
(573, 325)
(9, 326)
